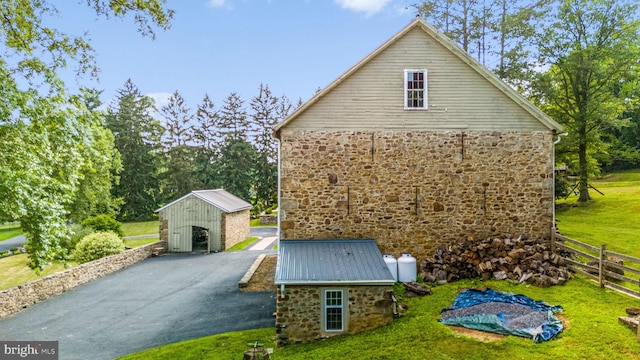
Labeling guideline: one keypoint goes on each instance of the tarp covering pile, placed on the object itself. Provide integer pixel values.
(503, 313)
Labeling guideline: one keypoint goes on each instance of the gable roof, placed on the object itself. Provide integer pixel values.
(452, 48)
(219, 198)
(331, 262)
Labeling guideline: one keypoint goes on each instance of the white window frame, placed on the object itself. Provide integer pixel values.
(425, 92)
(342, 307)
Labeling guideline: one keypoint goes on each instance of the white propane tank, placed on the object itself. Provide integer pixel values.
(392, 264)
(407, 271)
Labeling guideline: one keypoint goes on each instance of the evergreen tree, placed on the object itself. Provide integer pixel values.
(237, 155)
(208, 144)
(265, 116)
(137, 138)
(179, 153)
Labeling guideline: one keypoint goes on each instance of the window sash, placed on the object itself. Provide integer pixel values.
(333, 310)
(415, 89)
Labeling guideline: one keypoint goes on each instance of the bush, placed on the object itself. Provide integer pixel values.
(77, 232)
(104, 223)
(98, 245)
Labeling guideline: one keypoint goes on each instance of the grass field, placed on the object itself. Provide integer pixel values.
(8, 231)
(592, 332)
(612, 219)
(140, 228)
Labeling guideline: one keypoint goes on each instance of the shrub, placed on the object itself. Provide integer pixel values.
(77, 232)
(104, 223)
(98, 245)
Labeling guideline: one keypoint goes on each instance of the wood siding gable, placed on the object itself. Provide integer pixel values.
(462, 94)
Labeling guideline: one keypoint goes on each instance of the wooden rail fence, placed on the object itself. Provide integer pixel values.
(606, 263)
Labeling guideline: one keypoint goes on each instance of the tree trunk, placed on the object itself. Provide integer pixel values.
(583, 181)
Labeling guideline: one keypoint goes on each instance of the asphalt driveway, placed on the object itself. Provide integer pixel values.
(155, 302)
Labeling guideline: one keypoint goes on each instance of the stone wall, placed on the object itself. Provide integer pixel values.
(235, 228)
(299, 313)
(16, 298)
(268, 219)
(163, 225)
(415, 190)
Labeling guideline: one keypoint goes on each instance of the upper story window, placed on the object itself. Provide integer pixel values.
(415, 89)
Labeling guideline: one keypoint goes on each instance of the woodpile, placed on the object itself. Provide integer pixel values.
(519, 259)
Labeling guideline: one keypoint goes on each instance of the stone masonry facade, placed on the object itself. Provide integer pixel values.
(299, 313)
(413, 191)
(17, 298)
(235, 228)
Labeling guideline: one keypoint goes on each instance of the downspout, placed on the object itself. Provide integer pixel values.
(553, 220)
(279, 175)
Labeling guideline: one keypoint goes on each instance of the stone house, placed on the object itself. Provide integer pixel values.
(414, 146)
(204, 221)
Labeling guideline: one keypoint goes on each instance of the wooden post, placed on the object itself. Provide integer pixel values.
(553, 240)
(601, 267)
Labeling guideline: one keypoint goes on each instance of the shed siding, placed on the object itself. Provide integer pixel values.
(459, 97)
(189, 212)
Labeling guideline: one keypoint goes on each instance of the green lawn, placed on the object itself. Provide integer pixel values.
(133, 243)
(612, 219)
(140, 228)
(256, 223)
(242, 245)
(15, 271)
(593, 332)
(8, 231)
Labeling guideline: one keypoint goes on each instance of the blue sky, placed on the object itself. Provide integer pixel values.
(223, 46)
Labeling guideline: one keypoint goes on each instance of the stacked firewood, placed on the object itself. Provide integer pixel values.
(517, 259)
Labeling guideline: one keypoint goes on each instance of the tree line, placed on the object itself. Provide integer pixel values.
(577, 60)
(62, 160)
(181, 149)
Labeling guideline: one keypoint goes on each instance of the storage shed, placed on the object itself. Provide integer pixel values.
(204, 221)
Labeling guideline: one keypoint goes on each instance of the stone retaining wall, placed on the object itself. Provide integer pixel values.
(415, 190)
(16, 298)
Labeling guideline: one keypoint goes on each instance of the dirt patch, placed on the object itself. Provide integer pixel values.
(477, 334)
(262, 279)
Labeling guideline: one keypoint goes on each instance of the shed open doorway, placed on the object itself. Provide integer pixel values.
(199, 239)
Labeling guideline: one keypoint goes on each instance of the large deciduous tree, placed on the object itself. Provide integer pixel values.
(591, 48)
(43, 130)
(101, 168)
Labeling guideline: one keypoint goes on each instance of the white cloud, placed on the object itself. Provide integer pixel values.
(369, 7)
(215, 3)
(219, 4)
(161, 98)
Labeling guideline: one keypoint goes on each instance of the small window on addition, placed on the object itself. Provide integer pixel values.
(415, 89)
(333, 311)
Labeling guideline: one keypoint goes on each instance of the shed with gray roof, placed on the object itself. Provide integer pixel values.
(331, 262)
(204, 221)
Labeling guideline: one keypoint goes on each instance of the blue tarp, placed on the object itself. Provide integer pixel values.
(503, 313)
